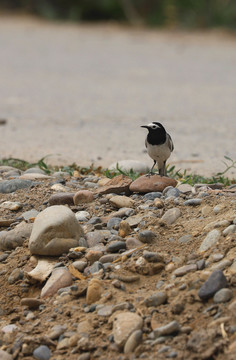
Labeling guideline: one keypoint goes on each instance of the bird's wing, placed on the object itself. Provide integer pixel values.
(169, 142)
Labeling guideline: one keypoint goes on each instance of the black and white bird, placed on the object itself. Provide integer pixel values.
(159, 145)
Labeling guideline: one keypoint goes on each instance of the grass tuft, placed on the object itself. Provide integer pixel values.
(181, 175)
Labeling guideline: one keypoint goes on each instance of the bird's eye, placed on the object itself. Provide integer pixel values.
(154, 127)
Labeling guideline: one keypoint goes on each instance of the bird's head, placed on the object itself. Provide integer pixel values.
(154, 127)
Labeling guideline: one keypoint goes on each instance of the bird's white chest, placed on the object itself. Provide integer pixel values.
(160, 153)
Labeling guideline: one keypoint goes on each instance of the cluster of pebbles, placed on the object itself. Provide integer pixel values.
(98, 268)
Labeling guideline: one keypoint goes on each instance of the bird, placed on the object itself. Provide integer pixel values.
(159, 146)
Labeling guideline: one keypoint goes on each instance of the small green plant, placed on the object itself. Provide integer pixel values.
(192, 179)
(118, 171)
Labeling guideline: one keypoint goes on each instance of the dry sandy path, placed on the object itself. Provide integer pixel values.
(83, 92)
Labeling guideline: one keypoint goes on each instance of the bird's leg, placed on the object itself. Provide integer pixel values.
(151, 172)
(162, 170)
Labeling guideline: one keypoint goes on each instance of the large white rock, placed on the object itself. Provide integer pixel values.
(55, 231)
(127, 165)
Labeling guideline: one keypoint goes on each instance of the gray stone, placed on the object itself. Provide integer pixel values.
(221, 265)
(116, 246)
(185, 188)
(27, 215)
(146, 236)
(104, 310)
(132, 243)
(200, 264)
(229, 230)
(210, 240)
(156, 299)
(109, 258)
(98, 236)
(9, 186)
(55, 231)
(152, 195)
(11, 239)
(193, 202)
(223, 295)
(95, 220)
(185, 269)
(171, 216)
(15, 275)
(80, 265)
(168, 329)
(172, 192)
(62, 198)
(152, 256)
(113, 223)
(42, 353)
(82, 215)
(214, 283)
(185, 239)
(34, 170)
(56, 331)
(96, 267)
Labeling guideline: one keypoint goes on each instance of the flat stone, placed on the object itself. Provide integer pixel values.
(11, 205)
(229, 230)
(105, 310)
(193, 202)
(214, 283)
(63, 198)
(95, 237)
(185, 269)
(42, 270)
(31, 214)
(42, 353)
(60, 278)
(55, 231)
(185, 188)
(152, 257)
(56, 331)
(171, 215)
(168, 329)
(156, 299)
(185, 239)
(221, 265)
(83, 197)
(210, 240)
(109, 258)
(117, 185)
(79, 265)
(132, 243)
(34, 170)
(124, 324)
(93, 255)
(121, 201)
(115, 246)
(134, 220)
(16, 274)
(11, 239)
(152, 195)
(172, 192)
(223, 295)
(113, 223)
(9, 186)
(146, 236)
(133, 341)
(153, 183)
(35, 177)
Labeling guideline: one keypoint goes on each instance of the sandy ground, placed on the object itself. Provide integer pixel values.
(83, 91)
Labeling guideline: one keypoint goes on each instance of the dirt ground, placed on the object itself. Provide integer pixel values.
(81, 92)
(213, 344)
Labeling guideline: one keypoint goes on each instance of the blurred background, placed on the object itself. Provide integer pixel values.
(181, 13)
(79, 77)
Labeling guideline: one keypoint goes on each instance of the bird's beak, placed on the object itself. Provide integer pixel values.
(144, 126)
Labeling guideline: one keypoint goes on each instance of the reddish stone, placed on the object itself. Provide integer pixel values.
(145, 184)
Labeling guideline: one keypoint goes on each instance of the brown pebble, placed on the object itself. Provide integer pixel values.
(82, 197)
(94, 291)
